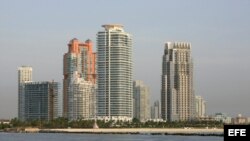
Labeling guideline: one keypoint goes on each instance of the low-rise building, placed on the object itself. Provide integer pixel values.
(240, 120)
(4, 121)
(222, 117)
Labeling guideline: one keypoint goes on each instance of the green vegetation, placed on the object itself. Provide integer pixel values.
(64, 123)
(3, 126)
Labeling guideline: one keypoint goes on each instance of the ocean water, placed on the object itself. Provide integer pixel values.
(101, 137)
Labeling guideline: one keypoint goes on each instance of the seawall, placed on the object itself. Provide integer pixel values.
(153, 131)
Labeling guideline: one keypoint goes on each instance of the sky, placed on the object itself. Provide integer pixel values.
(36, 33)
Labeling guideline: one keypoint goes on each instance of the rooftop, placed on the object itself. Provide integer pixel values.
(112, 26)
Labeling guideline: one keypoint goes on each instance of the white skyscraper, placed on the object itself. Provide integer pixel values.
(81, 99)
(200, 106)
(114, 69)
(141, 106)
(24, 75)
(177, 97)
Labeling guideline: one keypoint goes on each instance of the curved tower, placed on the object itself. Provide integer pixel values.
(114, 69)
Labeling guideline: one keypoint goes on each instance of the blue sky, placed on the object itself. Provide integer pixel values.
(36, 33)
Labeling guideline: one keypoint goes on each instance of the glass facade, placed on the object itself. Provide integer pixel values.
(41, 100)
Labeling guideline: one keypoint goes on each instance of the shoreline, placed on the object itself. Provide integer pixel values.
(150, 131)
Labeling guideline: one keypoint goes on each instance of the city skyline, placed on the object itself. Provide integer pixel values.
(36, 34)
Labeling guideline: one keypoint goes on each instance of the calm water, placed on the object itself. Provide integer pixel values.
(100, 137)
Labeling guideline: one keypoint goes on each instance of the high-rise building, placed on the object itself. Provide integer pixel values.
(200, 106)
(82, 104)
(114, 69)
(41, 100)
(80, 58)
(141, 106)
(155, 110)
(177, 96)
(24, 75)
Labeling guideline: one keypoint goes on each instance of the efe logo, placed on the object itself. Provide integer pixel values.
(235, 132)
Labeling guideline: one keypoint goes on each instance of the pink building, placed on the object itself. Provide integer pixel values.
(80, 58)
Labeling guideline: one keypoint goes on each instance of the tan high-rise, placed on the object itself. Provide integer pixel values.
(141, 96)
(200, 106)
(177, 95)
